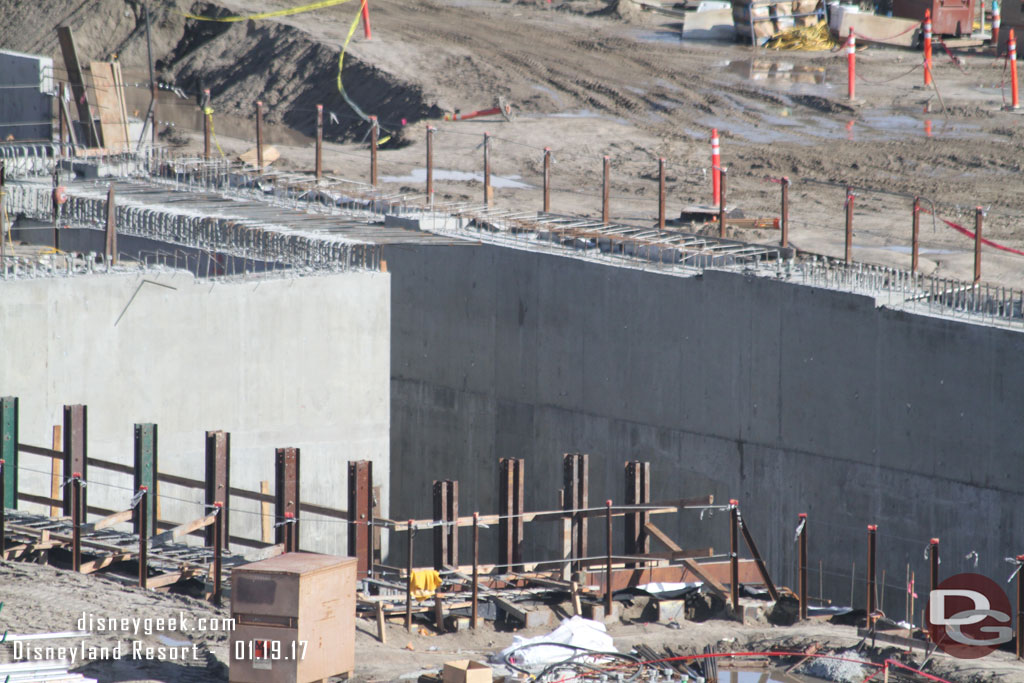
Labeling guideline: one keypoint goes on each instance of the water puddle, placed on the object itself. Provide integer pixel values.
(659, 36)
(781, 72)
(419, 176)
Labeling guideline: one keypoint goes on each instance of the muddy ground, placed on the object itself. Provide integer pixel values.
(586, 83)
(43, 599)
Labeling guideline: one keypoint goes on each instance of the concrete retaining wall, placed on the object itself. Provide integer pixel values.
(277, 362)
(790, 398)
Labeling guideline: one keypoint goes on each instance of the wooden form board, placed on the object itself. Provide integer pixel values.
(108, 84)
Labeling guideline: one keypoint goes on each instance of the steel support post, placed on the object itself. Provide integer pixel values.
(915, 240)
(360, 515)
(849, 226)
(286, 491)
(145, 475)
(259, 136)
(605, 188)
(207, 120)
(608, 558)
(75, 456)
(291, 543)
(3, 511)
(872, 531)
(758, 560)
(784, 222)
(446, 535)
(476, 567)
(77, 519)
(488, 194)
(575, 477)
(734, 556)
(978, 214)
(142, 522)
(661, 193)
(430, 163)
(218, 480)
(319, 170)
(9, 449)
(547, 180)
(511, 486)
(721, 206)
(933, 560)
(803, 565)
(408, 578)
(374, 133)
(219, 532)
(638, 492)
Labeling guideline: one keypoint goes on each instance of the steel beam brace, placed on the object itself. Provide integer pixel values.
(218, 482)
(75, 455)
(286, 493)
(446, 536)
(360, 515)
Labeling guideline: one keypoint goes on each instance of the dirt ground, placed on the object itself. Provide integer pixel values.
(42, 599)
(587, 82)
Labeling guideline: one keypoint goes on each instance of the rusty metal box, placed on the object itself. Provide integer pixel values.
(294, 619)
(949, 17)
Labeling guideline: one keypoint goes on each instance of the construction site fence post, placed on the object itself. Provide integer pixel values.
(476, 568)
(218, 479)
(408, 581)
(851, 66)
(933, 561)
(488, 193)
(803, 565)
(219, 529)
(848, 249)
(721, 206)
(207, 119)
(784, 219)
(75, 453)
(608, 548)
(926, 31)
(915, 236)
(145, 475)
(286, 492)
(979, 214)
(374, 132)
(734, 558)
(430, 164)
(605, 188)
(716, 164)
(3, 512)
(366, 20)
(547, 180)
(77, 519)
(872, 535)
(1011, 54)
(661, 193)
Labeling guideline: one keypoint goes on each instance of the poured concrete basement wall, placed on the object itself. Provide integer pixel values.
(787, 397)
(276, 362)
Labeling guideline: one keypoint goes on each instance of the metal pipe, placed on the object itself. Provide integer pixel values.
(803, 565)
(373, 150)
(915, 242)
(661, 193)
(547, 179)
(143, 527)
(608, 558)
(849, 226)
(872, 529)
(734, 558)
(487, 169)
(605, 190)
(784, 223)
(319, 142)
(408, 583)
(933, 559)
(476, 566)
(218, 549)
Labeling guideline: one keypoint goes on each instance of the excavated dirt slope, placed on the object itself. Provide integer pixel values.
(589, 82)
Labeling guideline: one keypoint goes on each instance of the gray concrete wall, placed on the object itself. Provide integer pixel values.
(27, 103)
(789, 398)
(277, 362)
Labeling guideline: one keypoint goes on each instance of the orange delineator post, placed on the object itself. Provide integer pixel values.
(716, 165)
(995, 25)
(366, 19)
(926, 29)
(851, 64)
(1011, 47)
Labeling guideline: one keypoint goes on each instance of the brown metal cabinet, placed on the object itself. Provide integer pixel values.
(949, 17)
(294, 619)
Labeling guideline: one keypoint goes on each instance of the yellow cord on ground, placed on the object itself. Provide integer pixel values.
(815, 37)
(268, 15)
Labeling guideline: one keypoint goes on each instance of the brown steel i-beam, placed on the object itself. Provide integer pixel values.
(915, 240)
(933, 559)
(488, 195)
(978, 214)
(574, 497)
(734, 557)
(784, 223)
(218, 480)
(872, 529)
(286, 492)
(220, 525)
(360, 515)
(511, 486)
(75, 453)
(408, 577)
(761, 568)
(849, 226)
(373, 150)
(259, 136)
(77, 519)
(803, 565)
(446, 534)
(721, 206)
(608, 559)
(605, 189)
(661, 193)
(319, 141)
(638, 492)
(547, 179)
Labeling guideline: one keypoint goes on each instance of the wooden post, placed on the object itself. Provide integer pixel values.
(266, 516)
(56, 473)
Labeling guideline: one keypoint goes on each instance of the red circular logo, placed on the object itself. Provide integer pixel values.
(969, 616)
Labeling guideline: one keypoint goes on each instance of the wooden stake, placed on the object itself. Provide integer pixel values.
(265, 515)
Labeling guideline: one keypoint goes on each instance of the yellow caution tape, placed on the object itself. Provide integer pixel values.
(815, 37)
(268, 15)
